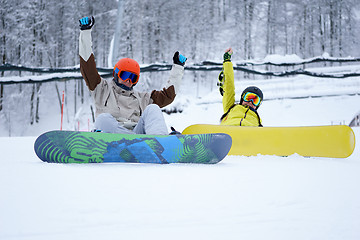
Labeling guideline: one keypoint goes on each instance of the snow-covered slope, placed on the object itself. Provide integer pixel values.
(262, 197)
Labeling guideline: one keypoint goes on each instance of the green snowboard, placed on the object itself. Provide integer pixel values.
(89, 147)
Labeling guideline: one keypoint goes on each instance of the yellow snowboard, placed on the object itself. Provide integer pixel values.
(318, 141)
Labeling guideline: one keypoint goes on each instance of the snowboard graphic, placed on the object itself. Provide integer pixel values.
(89, 147)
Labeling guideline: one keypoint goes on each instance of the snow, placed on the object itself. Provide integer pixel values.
(260, 197)
(256, 198)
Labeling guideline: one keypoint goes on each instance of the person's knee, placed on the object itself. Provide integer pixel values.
(153, 107)
(104, 116)
(103, 120)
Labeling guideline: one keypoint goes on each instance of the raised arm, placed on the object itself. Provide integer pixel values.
(229, 86)
(167, 95)
(87, 58)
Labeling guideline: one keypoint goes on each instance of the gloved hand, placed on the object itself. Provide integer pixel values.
(227, 55)
(86, 23)
(179, 59)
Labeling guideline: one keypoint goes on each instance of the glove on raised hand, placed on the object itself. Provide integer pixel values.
(179, 59)
(227, 55)
(86, 23)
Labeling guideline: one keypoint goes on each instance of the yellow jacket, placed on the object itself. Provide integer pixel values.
(235, 114)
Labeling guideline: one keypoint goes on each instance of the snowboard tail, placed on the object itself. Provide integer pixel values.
(88, 147)
(316, 141)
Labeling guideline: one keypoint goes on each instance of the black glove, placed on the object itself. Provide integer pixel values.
(179, 59)
(86, 23)
(227, 55)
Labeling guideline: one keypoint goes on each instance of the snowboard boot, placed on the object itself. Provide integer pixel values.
(174, 132)
(96, 130)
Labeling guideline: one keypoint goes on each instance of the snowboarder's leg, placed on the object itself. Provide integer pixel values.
(152, 122)
(108, 124)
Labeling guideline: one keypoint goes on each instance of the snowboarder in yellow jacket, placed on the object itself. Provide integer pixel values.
(243, 113)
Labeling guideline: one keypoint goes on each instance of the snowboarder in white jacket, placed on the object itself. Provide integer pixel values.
(120, 109)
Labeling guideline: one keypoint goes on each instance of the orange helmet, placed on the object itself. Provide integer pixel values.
(127, 65)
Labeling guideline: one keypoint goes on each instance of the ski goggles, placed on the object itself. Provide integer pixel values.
(125, 75)
(252, 97)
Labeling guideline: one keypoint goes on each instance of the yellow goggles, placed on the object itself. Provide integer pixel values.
(252, 97)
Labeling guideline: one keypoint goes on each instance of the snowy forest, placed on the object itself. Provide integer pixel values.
(39, 33)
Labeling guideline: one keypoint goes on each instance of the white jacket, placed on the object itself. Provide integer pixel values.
(125, 106)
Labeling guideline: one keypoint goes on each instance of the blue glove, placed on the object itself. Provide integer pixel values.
(86, 23)
(182, 58)
(179, 59)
